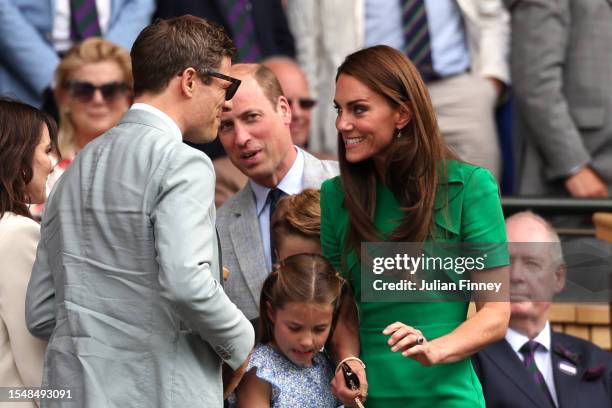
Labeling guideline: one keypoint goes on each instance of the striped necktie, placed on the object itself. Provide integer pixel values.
(273, 196)
(83, 20)
(240, 20)
(417, 43)
(528, 351)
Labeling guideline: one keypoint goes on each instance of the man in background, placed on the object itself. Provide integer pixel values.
(534, 366)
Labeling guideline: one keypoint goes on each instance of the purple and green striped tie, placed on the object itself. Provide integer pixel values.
(241, 23)
(528, 351)
(417, 44)
(83, 20)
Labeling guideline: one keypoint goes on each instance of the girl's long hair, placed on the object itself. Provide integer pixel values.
(301, 278)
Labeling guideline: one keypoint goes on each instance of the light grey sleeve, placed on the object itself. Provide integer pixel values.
(184, 226)
(539, 50)
(40, 297)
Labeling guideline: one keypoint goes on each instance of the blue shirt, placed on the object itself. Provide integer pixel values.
(450, 54)
(292, 183)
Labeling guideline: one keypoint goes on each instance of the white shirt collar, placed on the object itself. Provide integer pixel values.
(517, 340)
(174, 129)
(291, 184)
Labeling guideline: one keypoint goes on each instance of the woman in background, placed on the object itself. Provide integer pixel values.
(28, 137)
(93, 91)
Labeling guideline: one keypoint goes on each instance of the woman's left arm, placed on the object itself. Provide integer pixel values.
(482, 223)
(488, 325)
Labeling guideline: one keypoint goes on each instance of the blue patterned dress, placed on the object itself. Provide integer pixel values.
(294, 386)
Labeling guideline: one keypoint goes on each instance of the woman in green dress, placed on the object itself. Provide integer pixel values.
(399, 183)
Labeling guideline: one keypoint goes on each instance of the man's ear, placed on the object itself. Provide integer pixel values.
(559, 282)
(403, 117)
(283, 108)
(187, 81)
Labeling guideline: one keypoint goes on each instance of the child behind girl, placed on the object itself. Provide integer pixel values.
(299, 300)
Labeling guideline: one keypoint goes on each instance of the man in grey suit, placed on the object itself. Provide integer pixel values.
(255, 134)
(126, 278)
(561, 68)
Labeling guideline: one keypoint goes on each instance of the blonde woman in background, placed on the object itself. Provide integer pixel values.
(93, 89)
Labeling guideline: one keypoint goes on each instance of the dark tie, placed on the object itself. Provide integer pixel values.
(240, 19)
(417, 44)
(273, 196)
(528, 351)
(83, 20)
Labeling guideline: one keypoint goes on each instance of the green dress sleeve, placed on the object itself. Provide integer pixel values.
(331, 199)
(482, 219)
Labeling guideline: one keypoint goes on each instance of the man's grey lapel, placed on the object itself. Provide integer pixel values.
(246, 240)
(315, 171)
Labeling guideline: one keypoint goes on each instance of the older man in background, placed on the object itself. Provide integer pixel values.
(535, 366)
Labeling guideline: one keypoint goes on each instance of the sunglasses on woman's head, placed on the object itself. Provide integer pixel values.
(84, 91)
(305, 103)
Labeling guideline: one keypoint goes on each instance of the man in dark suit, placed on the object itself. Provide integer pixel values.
(270, 23)
(535, 366)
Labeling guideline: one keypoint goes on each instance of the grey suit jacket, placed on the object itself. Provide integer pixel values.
(241, 242)
(123, 280)
(560, 62)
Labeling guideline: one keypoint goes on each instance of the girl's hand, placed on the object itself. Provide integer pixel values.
(345, 394)
(411, 343)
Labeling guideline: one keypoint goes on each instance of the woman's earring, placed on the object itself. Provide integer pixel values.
(398, 133)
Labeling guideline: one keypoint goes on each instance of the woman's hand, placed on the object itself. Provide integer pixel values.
(412, 344)
(345, 394)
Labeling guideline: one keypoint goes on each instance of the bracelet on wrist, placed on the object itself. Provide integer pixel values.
(350, 359)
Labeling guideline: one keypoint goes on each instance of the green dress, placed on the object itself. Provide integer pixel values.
(467, 209)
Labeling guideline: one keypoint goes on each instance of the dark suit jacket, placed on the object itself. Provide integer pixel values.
(505, 381)
(271, 28)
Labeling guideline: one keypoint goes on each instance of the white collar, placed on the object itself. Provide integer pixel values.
(174, 129)
(517, 340)
(291, 184)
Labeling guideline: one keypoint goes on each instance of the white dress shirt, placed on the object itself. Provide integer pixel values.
(543, 358)
(292, 183)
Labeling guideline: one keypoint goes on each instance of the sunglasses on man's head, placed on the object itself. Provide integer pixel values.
(230, 91)
(84, 91)
(305, 103)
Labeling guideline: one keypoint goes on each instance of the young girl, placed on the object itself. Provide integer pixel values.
(298, 303)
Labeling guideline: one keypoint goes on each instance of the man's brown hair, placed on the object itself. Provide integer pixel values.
(166, 48)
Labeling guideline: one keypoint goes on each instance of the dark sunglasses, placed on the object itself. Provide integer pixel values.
(305, 103)
(230, 91)
(84, 91)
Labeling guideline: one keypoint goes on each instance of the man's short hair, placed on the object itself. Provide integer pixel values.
(168, 47)
(265, 78)
(556, 250)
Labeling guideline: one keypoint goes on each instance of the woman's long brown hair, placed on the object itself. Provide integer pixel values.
(20, 131)
(417, 155)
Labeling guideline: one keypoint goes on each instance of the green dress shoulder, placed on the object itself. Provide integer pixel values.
(467, 209)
